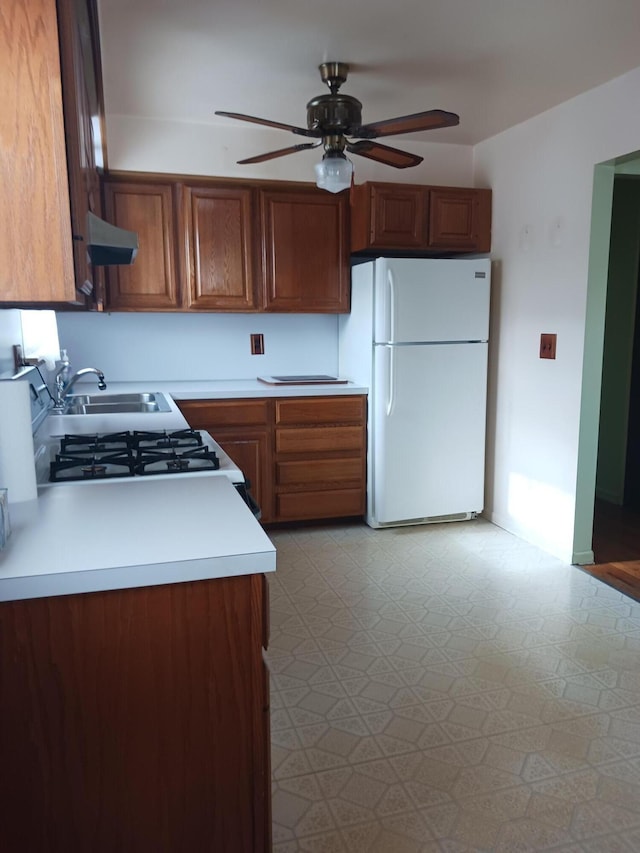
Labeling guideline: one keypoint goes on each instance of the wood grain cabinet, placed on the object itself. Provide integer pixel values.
(219, 224)
(83, 114)
(460, 219)
(224, 245)
(320, 457)
(305, 456)
(137, 720)
(420, 219)
(152, 282)
(243, 429)
(305, 250)
(35, 224)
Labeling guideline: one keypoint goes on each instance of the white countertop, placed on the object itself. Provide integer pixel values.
(189, 390)
(236, 388)
(86, 537)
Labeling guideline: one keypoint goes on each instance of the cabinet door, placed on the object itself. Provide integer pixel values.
(305, 251)
(150, 283)
(460, 219)
(82, 100)
(398, 217)
(249, 449)
(242, 428)
(35, 223)
(135, 720)
(220, 248)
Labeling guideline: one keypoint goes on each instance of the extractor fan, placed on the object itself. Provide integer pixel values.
(336, 121)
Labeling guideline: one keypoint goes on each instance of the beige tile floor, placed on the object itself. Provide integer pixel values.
(449, 688)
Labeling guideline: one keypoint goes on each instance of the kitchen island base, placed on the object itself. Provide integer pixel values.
(137, 720)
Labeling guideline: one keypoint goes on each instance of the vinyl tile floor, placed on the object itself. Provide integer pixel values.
(449, 688)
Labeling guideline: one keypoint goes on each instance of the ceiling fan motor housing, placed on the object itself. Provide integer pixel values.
(334, 114)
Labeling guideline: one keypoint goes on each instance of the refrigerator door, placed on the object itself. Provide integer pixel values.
(427, 432)
(424, 299)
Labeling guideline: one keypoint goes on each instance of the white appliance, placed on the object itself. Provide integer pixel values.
(417, 335)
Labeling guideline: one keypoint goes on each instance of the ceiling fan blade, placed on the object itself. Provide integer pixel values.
(301, 131)
(429, 120)
(384, 154)
(281, 152)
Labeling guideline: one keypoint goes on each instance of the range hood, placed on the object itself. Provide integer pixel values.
(109, 245)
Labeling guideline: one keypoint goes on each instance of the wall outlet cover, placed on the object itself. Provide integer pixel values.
(548, 345)
(257, 344)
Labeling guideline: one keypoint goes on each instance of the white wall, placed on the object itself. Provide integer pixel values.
(542, 176)
(136, 346)
(10, 334)
(135, 143)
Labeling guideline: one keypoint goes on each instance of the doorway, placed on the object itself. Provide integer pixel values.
(616, 523)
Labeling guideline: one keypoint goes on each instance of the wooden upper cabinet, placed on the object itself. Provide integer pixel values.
(150, 283)
(220, 248)
(411, 218)
(305, 250)
(35, 223)
(398, 217)
(460, 219)
(83, 115)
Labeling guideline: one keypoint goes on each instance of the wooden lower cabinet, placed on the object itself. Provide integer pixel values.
(241, 428)
(305, 456)
(136, 720)
(320, 457)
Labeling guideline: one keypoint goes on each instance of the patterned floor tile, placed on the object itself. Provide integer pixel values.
(449, 688)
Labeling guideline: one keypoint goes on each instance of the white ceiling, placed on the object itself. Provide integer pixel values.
(494, 62)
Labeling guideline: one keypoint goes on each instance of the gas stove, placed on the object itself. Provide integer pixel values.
(136, 453)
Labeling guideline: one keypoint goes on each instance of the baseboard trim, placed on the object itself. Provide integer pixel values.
(583, 558)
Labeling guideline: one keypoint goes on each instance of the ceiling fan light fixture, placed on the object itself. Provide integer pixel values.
(333, 172)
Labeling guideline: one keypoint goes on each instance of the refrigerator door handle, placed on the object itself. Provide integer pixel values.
(391, 305)
(390, 380)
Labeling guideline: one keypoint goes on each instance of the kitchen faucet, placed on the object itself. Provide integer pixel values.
(64, 386)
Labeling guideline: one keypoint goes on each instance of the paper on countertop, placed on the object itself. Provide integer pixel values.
(40, 336)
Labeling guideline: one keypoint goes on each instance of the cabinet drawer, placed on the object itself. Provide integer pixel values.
(202, 414)
(315, 410)
(319, 439)
(331, 503)
(319, 471)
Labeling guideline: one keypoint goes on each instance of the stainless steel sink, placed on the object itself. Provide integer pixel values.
(114, 404)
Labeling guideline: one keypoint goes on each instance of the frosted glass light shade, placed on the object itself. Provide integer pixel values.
(334, 172)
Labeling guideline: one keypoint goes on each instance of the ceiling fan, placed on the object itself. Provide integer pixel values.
(335, 120)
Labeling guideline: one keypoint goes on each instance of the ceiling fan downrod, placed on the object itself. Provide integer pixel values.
(334, 74)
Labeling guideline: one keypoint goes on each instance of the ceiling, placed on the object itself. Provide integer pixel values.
(494, 62)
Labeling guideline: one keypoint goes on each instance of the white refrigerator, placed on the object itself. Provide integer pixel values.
(417, 336)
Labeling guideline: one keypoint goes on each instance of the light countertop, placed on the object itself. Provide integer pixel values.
(85, 537)
(188, 390)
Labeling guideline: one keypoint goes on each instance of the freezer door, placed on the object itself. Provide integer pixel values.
(427, 431)
(425, 299)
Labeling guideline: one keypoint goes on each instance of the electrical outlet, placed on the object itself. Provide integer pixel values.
(257, 344)
(548, 345)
